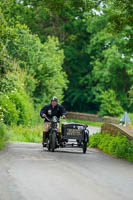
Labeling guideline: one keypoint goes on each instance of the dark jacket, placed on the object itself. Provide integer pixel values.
(51, 111)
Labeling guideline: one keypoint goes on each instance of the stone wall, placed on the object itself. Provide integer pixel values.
(84, 116)
(115, 129)
(92, 117)
(112, 120)
(111, 125)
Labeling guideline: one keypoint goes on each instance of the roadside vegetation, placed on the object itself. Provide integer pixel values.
(34, 133)
(4, 135)
(79, 51)
(26, 134)
(91, 123)
(118, 146)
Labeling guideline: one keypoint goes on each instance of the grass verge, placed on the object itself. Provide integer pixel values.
(34, 134)
(3, 135)
(26, 134)
(84, 122)
(118, 146)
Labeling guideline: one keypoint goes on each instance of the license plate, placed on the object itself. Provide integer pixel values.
(73, 131)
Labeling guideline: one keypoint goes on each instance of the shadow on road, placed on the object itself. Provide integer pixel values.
(72, 151)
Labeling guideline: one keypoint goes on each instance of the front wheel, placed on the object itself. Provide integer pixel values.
(52, 141)
(84, 147)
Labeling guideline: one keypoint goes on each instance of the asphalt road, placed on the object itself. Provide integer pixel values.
(28, 172)
(93, 129)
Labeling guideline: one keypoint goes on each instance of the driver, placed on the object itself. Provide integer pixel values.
(50, 110)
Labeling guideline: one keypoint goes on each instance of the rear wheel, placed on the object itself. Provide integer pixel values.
(84, 147)
(48, 144)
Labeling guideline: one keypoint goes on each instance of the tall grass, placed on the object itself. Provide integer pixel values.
(27, 134)
(3, 135)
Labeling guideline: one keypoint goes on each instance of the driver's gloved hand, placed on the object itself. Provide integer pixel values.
(63, 116)
(43, 115)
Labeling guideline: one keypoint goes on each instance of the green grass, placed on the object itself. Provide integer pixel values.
(84, 122)
(27, 134)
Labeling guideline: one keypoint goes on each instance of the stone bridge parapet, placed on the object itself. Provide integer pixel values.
(115, 129)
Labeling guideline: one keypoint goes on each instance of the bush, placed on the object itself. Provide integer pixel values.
(8, 111)
(118, 146)
(95, 140)
(24, 106)
(104, 142)
(109, 105)
(42, 62)
(16, 108)
(3, 135)
(16, 105)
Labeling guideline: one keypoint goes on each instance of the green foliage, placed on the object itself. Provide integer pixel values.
(26, 134)
(110, 52)
(94, 46)
(131, 117)
(120, 14)
(63, 19)
(130, 92)
(3, 135)
(29, 70)
(109, 104)
(16, 105)
(42, 63)
(24, 106)
(52, 79)
(9, 113)
(83, 122)
(16, 108)
(95, 139)
(118, 146)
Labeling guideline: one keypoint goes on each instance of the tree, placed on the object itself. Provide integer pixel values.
(29, 70)
(111, 57)
(41, 62)
(109, 104)
(96, 37)
(63, 19)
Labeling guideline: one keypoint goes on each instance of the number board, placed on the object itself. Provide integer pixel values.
(71, 131)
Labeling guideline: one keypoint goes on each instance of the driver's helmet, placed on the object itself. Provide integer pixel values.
(54, 98)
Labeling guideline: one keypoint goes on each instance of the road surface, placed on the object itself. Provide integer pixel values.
(93, 129)
(29, 172)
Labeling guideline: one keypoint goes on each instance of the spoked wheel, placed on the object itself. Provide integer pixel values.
(48, 145)
(52, 142)
(84, 147)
